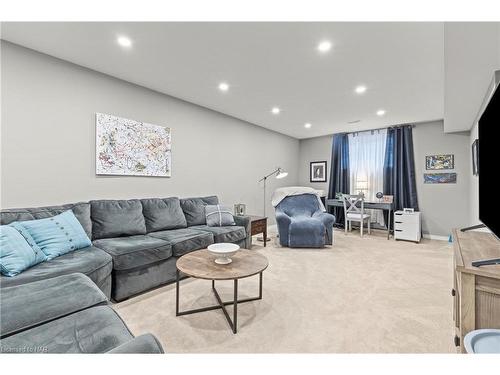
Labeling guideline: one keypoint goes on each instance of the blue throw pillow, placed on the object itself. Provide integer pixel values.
(57, 235)
(18, 250)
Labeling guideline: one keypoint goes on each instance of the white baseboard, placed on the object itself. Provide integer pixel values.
(274, 229)
(436, 237)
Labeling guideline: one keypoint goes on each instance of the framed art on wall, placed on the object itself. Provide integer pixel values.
(475, 158)
(440, 178)
(131, 148)
(317, 171)
(435, 162)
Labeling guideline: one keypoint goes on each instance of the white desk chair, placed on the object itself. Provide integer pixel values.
(353, 212)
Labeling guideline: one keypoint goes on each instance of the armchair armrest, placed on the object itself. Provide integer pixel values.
(143, 344)
(244, 221)
(28, 305)
(283, 222)
(328, 220)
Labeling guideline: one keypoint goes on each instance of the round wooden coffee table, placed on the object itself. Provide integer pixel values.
(201, 264)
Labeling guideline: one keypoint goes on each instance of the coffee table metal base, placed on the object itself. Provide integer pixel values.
(233, 323)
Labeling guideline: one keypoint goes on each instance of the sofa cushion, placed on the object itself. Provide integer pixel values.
(18, 250)
(135, 251)
(224, 234)
(114, 218)
(81, 211)
(94, 330)
(127, 283)
(163, 214)
(91, 261)
(28, 305)
(194, 209)
(57, 235)
(185, 240)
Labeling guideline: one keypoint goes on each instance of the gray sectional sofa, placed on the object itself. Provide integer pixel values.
(65, 314)
(135, 245)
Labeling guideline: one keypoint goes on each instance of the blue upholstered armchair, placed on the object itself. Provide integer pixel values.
(301, 223)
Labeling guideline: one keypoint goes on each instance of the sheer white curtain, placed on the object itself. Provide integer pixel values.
(366, 166)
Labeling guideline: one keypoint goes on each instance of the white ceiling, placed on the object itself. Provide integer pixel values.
(266, 65)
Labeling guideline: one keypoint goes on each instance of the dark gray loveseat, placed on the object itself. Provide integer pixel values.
(136, 242)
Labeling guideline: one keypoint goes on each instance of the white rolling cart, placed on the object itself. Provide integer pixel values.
(407, 226)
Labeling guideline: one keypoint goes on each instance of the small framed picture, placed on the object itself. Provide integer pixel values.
(239, 209)
(409, 210)
(317, 171)
(387, 198)
(475, 158)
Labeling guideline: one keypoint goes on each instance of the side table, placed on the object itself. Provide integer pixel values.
(259, 225)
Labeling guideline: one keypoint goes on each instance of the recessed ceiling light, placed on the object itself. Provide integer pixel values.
(275, 111)
(324, 46)
(223, 86)
(124, 41)
(307, 125)
(381, 112)
(360, 89)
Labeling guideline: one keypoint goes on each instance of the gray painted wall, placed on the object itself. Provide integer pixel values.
(48, 139)
(315, 149)
(443, 207)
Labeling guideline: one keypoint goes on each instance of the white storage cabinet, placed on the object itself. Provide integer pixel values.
(407, 226)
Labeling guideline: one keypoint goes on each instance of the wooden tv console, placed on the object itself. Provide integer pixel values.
(476, 290)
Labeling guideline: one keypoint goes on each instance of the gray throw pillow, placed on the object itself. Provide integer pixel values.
(218, 216)
(194, 209)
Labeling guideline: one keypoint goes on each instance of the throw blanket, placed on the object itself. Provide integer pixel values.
(281, 193)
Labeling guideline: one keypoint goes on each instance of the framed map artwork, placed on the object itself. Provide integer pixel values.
(132, 148)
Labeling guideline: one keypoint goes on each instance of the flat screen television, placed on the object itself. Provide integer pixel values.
(489, 164)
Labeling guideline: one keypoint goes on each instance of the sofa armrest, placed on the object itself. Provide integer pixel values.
(29, 305)
(143, 344)
(244, 221)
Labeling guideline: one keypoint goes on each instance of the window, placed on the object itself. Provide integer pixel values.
(366, 166)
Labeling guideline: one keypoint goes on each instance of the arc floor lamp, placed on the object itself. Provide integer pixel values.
(279, 173)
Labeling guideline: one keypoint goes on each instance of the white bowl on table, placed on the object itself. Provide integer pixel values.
(223, 252)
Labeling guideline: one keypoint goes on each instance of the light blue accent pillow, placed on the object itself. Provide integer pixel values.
(57, 235)
(18, 250)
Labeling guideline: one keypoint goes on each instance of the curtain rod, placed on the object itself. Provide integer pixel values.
(372, 130)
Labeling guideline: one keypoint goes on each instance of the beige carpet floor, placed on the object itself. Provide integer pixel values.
(361, 295)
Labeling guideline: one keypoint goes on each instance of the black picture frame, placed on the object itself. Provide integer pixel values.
(475, 157)
(317, 171)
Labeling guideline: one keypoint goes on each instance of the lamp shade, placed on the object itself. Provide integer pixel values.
(281, 173)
